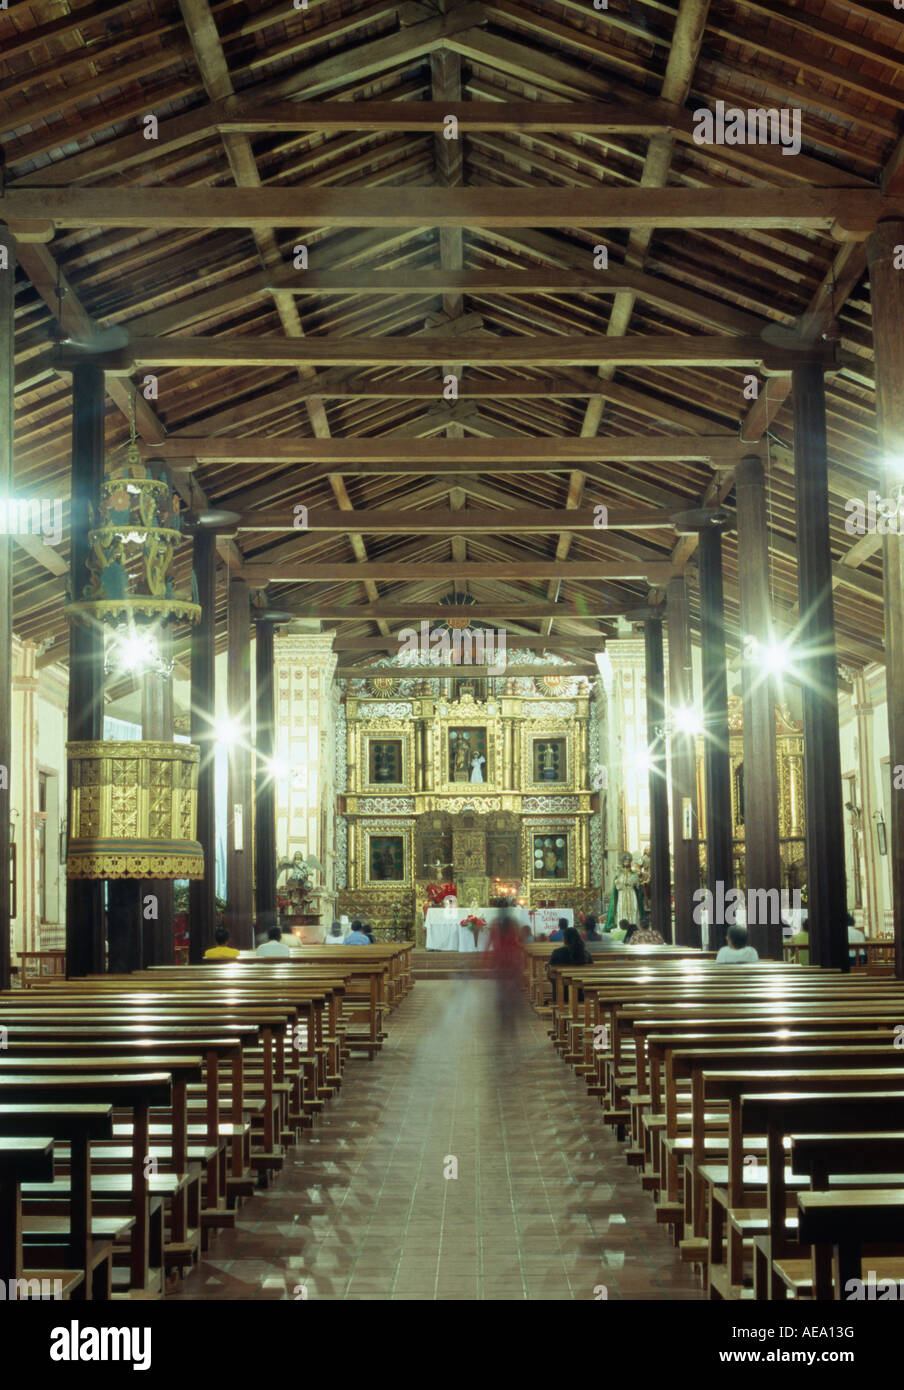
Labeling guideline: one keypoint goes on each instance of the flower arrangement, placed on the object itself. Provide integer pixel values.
(438, 892)
(474, 924)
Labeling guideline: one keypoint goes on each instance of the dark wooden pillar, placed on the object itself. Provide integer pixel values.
(815, 658)
(264, 784)
(716, 759)
(762, 863)
(685, 828)
(85, 897)
(125, 925)
(201, 892)
(157, 725)
(660, 871)
(239, 835)
(7, 423)
(887, 292)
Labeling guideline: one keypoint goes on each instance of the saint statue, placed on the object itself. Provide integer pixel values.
(624, 900)
(477, 763)
(547, 759)
(461, 759)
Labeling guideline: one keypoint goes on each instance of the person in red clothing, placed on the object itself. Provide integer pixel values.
(505, 960)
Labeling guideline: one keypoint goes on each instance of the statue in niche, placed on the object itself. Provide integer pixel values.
(461, 759)
(477, 763)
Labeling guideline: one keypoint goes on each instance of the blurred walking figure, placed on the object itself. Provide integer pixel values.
(505, 961)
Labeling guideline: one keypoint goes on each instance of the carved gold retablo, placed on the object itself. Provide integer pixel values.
(132, 810)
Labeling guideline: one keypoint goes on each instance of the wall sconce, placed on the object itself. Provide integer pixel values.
(881, 832)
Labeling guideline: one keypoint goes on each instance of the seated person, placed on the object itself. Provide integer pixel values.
(736, 951)
(636, 935)
(368, 932)
(571, 952)
(334, 935)
(356, 936)
(274, 945)
(559, 933)
(221, 951)
(855, 936)
(596, 940)
(801, 939)
(591, 929)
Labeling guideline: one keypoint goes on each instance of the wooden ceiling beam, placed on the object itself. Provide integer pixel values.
(430, 117)
(520, 450)
(529, 609)
(851, 213)
(259, 572)
(467, 521)
(480, 350)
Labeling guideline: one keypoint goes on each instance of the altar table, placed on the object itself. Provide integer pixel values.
(445, 932)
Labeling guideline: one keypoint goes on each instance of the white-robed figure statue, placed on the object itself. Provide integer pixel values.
(477, 763)
(624, 900)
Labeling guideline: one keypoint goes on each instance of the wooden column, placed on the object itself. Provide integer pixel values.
(863, 713)
(84, 897)
(762, 862)
(157, 725)
(125, 926)
(201, 892)
(7, 422)
(660, 872)
(887, 292)
(264, 783)
(239, 831)
(816, 660)
(716, 760)
(683, 769)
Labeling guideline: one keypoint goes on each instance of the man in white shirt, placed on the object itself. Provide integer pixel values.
(274, 945)
(855, 936)
(736, 951)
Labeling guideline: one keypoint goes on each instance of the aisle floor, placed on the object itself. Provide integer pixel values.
(543, 1205)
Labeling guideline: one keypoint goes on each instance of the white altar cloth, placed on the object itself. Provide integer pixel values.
(445, 932)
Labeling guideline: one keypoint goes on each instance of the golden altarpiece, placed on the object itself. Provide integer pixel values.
(789, 745)
(486, 792)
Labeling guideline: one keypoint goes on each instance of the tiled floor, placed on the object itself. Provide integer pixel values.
(543, 1205)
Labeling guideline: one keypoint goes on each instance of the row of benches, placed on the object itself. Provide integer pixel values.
(762, 1105)
(137, 1113)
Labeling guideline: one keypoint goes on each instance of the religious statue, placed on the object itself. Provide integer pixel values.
(477, 763)
(643, 876)
(461, 759)
(625, 898)
(547, 759)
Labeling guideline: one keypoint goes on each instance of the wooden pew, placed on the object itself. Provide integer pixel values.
(87, 1268)
(755, 1107)
(26, 1160)
(845, 1222)
(136, 1092)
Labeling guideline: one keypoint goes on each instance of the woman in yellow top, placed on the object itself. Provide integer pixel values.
(221, 951)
